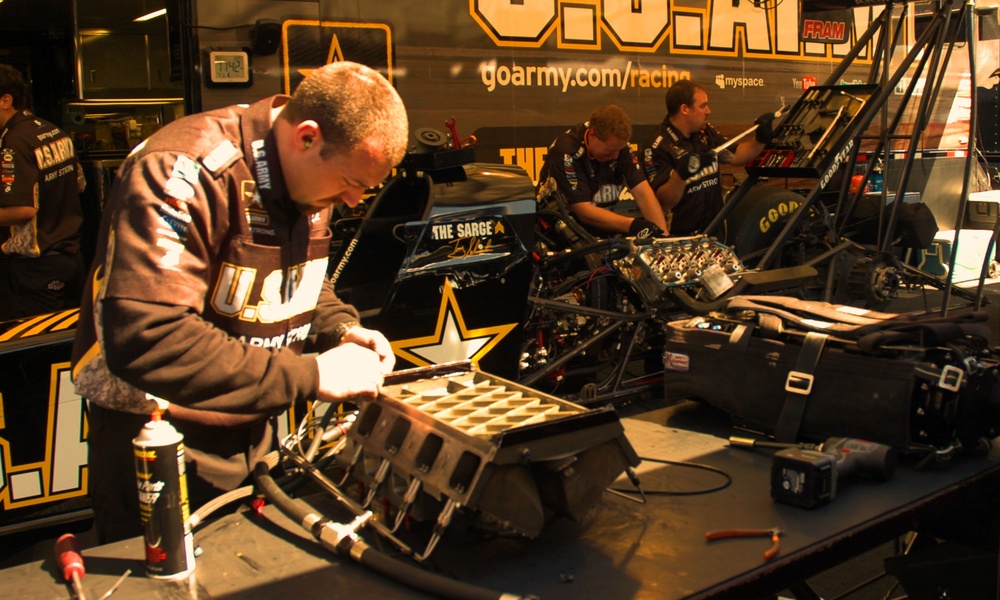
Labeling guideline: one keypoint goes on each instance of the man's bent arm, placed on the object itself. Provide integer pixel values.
(600, 218)
(16, 215)
(173, 353)
(649, 205)
(670, 193)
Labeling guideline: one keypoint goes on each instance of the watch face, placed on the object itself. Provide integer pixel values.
(229, 67)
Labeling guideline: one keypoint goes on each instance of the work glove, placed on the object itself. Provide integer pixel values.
(642, 229)
(689, 163)
(765, 128)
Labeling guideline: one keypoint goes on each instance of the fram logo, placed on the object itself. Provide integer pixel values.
(815, 29)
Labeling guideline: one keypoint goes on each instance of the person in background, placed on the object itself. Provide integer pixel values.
(590, 165)
(680, 161)
(214, 282)
(41, 267)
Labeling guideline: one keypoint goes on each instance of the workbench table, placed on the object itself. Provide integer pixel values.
(622, 549)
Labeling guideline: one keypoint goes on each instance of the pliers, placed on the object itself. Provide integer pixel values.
(732, 533)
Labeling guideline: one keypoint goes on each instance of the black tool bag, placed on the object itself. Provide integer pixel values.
(804, 371)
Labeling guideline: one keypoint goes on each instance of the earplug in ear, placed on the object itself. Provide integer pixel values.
(308, 143)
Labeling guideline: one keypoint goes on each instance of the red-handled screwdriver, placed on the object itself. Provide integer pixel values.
(70, 562)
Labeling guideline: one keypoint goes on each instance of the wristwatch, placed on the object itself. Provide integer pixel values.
(341, 329)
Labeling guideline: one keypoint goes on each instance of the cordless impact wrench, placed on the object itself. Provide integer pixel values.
(807, 476)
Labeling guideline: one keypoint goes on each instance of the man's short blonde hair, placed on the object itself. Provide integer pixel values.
(611, 120)
(351, 103)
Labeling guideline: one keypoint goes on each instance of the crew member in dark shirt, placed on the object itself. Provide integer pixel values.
(590, 165)
(41, 267)
(681, 164)
(214, 282)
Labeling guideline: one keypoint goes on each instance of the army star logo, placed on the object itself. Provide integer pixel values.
(451, 340)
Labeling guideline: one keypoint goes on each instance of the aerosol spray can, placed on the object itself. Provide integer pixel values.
(163, 500)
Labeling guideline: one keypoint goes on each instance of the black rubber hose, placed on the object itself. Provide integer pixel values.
(616, 247)
(699, 307)
(417, 578)
(412, 576)
(274, 494)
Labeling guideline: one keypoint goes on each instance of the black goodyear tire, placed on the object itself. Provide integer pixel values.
(756, 221)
